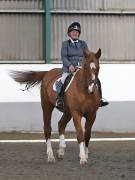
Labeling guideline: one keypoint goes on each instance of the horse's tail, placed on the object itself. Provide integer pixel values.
(29, 78)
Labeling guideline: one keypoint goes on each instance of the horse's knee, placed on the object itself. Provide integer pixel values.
(80, 136)
(62, 123)
(47, 131)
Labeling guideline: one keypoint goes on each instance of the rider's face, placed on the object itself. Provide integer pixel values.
(74, 34)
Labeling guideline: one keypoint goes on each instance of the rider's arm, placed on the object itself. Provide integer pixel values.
(84, 45)
(64, 55)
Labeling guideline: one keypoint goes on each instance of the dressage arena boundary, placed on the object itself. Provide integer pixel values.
(69, 140)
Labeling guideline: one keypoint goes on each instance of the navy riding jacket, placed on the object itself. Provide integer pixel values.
(72, 53)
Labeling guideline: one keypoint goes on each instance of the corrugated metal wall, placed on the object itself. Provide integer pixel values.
(108, 24)
(114, 34)
(21, 31)
(21, 37)
(68, 4)
(93, 4)
(21, 4)
(77, 4)
(119, 4)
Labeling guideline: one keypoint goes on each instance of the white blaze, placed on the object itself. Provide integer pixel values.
(92, 66)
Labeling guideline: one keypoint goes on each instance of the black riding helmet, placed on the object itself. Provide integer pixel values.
(74, 26)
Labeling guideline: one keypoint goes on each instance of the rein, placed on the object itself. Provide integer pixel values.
(95, 81)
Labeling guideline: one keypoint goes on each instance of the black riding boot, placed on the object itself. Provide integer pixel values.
(59, 99)
(102, 102)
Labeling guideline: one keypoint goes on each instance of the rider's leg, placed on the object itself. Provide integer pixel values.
(59, 86)
(102, 101)
(64, 76)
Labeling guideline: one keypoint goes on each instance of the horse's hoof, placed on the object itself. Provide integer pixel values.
(87, 157)
(83, 161)
(60, 155)
(51, 160)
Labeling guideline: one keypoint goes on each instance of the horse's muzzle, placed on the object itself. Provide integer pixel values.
(91, 88)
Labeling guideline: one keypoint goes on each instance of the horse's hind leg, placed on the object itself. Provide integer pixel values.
(47, 112)
(88, 125)
(62, 125)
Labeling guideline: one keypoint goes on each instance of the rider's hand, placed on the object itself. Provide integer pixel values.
(72, 68)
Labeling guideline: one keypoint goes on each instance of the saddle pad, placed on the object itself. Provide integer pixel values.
(68, 81)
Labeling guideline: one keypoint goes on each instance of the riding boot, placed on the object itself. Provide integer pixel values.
(102, 101)
(59, 99)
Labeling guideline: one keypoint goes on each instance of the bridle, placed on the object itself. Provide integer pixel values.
(90, 82)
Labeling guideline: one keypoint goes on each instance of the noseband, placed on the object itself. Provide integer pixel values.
(95, 81)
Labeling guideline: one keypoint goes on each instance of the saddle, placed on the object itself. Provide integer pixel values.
(67, 82)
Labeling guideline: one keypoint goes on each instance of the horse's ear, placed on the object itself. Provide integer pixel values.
(98, 53)
(86, 53)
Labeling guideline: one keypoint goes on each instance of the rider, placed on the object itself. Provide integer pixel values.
(72, 55)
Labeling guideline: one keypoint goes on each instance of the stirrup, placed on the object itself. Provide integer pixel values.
(59, 102)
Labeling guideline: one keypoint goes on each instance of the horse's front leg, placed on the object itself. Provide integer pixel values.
(80, 136)
(62, 125)
(88, 125)
(49, 151)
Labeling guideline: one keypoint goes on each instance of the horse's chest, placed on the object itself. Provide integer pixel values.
(89, 104)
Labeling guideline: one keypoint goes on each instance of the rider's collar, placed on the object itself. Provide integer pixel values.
(73, 40)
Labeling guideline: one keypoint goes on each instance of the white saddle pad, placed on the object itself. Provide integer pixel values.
(54, 85)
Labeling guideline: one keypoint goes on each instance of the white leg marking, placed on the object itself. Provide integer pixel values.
(50, 151)
(62, 146)
(83, 159)
(62, 141)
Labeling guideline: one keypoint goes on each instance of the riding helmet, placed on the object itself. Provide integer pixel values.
(74, 26)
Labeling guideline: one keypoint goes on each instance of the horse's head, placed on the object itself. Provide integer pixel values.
(91, 65)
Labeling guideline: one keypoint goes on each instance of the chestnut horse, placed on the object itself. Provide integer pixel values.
(80, 100)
